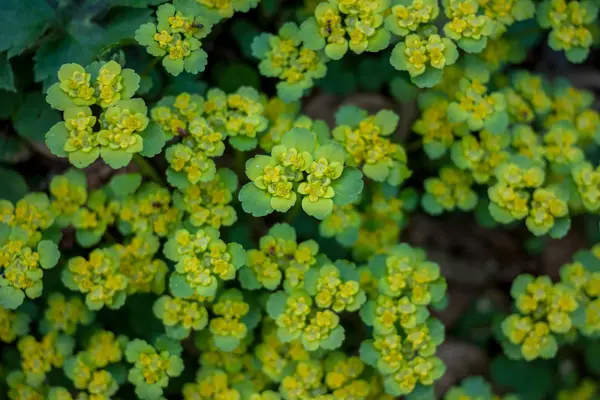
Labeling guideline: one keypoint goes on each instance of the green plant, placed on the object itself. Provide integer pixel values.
(237, 237)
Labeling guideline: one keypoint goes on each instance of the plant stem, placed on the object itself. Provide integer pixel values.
(147, 170)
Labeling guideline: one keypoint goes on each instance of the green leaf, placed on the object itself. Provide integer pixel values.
(32, 18)
(243, 143)
(196, 62)
(123, 185)
(154, 140)
(232, 76)
(429, 78)
(560, 228)
(276, 304)
(35, 117)
(136, 3)
(421, 392)
(592, 356)
(180, 287)
(177, 179)
(348, 187)
(335, 339)
(58, 51)
(318, 209)
(88, 239)
(519, 375)
(115, 158)
(7, 78)
(402, 90)
(49, 254)
(124, 22)
(350, 115)
(248, 279)
(378, 171)
(14, 186)
(10, 297)
(226, 343)
(255, 201)
(368, 354)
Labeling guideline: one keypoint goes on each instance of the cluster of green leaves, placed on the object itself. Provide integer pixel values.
(121, 130)
(181, 265)
(522, 143)
(302, 164)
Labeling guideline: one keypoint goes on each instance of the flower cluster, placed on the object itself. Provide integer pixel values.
(203, 261)
(180, 316)
(300, 166)
(583, 276)
(339, 25)
(64, 315)
(179, 280)
(467, 25)
(299, 316)
(153, 366)
(13, 325)
(452, 190)
(286, 57)
(282, 118)
(366, 144)
(88, 377)
(544, 314)
(405, 338)
(233, 319)
(98, 278)
(208, 203)
(385, 214)
(23, 257)
(38, 358)
(336, 377)
(570, 24)
(435, 127)
(29, 217)
(279, 259)
(478, 108)
(176, 37)
(545, 210)
(424, 56)
(148, 209)
(122, 128)
(138, 262)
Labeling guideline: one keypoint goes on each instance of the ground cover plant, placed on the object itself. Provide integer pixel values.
(328, 199)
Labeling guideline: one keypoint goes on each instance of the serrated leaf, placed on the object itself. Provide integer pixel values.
(32, 17)
(123, 24)
(115, 158)
(255, 201)
(35, 117)
(348, 187)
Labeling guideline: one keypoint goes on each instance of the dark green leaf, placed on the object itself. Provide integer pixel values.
(23, 22)
(7, 78)
(136, 3)
(35, 117)
(13, 185)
